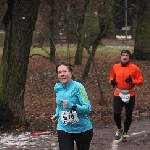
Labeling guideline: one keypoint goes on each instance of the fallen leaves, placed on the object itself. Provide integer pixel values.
(40, 97)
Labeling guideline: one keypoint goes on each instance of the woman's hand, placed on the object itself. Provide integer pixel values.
(54, 119)
(67, 104)
(64, 103)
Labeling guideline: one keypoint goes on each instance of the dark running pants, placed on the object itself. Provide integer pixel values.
(118, 105)
(66, 140)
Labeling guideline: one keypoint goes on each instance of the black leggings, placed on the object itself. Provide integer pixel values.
(118, 105)
(66, 140)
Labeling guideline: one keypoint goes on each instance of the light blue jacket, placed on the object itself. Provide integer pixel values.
(75, 94)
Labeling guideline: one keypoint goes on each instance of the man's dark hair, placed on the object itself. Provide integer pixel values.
(126, 51)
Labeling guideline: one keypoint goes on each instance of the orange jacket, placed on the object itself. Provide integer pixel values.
(120, 74)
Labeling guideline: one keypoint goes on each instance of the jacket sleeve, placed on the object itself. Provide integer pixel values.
(57, 112)
(112, 74)
(85, 106)
(138, 79)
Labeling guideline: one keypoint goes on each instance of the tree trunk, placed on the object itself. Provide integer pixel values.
(91, 57)
(79, 52)
(19, 22)
(52, 45)
(142, 35)
(87, 68)
(103, 28)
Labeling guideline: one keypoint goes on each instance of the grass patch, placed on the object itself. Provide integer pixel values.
(2, 35)
(112, 49)
(1, 51)
(60, 51)
(40, 51)
(64, 51)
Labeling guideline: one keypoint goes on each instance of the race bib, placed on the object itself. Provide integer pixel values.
(69, 117)
(125, 97)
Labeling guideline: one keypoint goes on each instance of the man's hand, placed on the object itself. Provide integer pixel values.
(113, 82)
(128, 80)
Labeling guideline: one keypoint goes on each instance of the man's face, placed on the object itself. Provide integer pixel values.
(125, 58)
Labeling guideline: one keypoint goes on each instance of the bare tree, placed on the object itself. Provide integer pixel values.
(103, 20)
(142, 35)
(19, 22)
(80, 33)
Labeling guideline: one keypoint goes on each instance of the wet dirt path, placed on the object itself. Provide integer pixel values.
(103, 139)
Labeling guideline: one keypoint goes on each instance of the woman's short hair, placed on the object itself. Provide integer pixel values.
(69, 66)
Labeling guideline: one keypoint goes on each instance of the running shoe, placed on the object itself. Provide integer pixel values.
(119, 133)
(125, 137)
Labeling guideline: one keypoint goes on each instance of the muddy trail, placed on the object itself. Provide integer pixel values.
(103, 139)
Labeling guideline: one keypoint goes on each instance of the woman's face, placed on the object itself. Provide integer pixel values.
(64, 75)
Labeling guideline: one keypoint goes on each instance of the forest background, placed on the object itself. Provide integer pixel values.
(83, 33)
